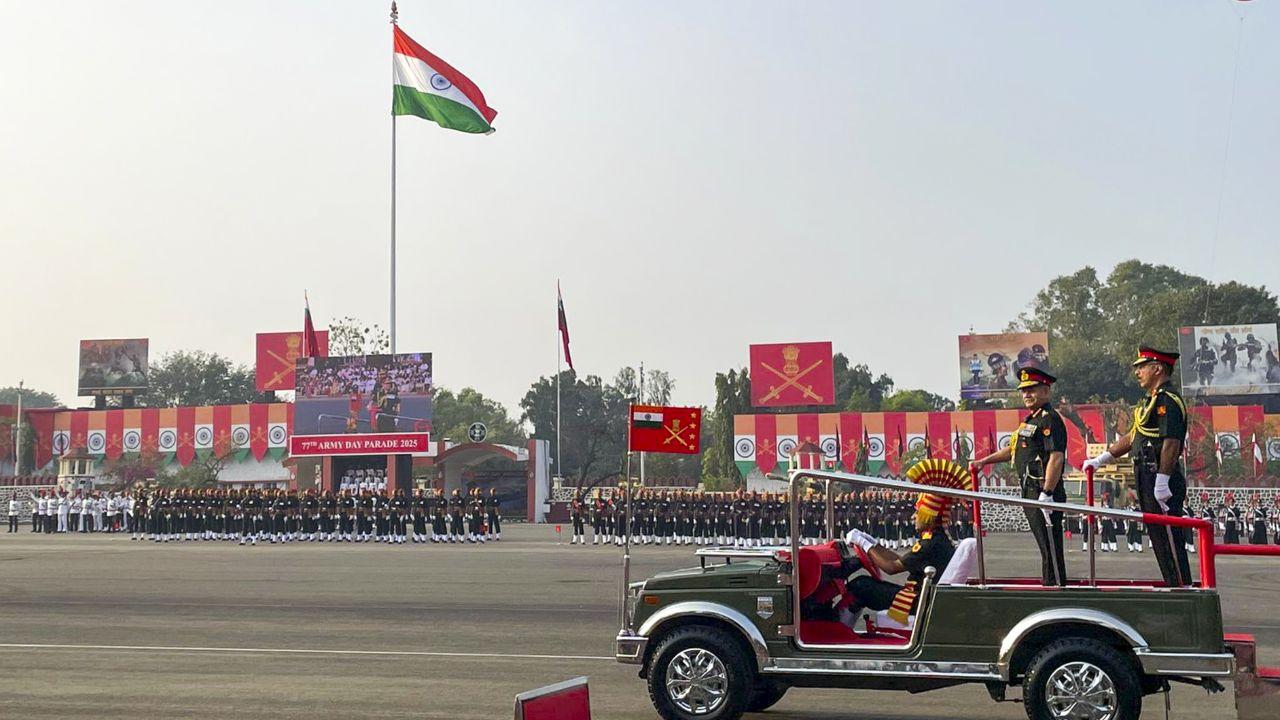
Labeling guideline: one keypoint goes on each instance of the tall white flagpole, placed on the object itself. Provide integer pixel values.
(559, 340)
(17, 441)
(642, 402)
(395, 15)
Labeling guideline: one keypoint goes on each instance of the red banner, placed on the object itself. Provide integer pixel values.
(115, 429)
(258, 430)
(792, 374)
(278, 354)
(940, 436)
(1252, 439)
(766, 443)
(850, 440)
(186, 435)
(895, 428)
(150, 431)
(657, 428)
(360, 444)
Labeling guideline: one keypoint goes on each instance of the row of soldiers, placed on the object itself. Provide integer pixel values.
(61, 511)
(745, 519)
(282, 516)
(1258, 525)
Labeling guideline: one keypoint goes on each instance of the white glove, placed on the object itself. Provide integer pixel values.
(1046, 497)
(1095, 463)
(1163, 493)
(861, 539)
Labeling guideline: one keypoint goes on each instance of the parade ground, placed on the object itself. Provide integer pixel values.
(100, 626)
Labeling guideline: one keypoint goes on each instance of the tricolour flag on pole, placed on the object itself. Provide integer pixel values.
(564, 326)
(431, 88)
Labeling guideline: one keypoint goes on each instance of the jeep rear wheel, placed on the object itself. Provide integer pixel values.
(1081, 679)
(765, 695)
(700, 673)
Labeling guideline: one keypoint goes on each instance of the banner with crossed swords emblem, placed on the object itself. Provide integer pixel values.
(789, 374)
(278, 355)
(659, 428)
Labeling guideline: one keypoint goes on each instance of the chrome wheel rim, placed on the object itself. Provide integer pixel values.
(1080, 691)
(697, 681)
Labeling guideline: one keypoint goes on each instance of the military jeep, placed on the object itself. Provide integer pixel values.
(724, 637)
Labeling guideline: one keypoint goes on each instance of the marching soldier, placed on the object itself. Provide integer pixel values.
(1133, 527)
(1156, 441)
(1231, 517)
(475, 519)
(1038, 451)
(1257, 520)
(577, 517)
(493, 514)
(439, 508)
(456, 510)
(597, 520)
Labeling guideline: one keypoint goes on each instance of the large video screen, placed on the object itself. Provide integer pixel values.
(989, 364)
(1229, 359)
(362, 405)
(113, 367)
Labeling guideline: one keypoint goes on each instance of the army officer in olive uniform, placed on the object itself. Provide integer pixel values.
(1038, 451)
(1156, 441)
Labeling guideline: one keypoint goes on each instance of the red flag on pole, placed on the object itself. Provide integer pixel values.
(310, 345)
(564, 326)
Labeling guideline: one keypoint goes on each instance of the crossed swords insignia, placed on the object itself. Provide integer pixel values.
(673, 433)
(289, 366)
(792, 381)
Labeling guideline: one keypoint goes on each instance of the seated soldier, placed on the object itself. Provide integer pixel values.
(934, 549)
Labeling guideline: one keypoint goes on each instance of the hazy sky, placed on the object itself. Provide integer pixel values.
(699, 175)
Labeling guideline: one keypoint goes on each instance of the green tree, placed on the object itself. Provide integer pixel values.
(30, 398)
(915, 401)
(349, 336)
(657, 386)
(733, 397)
(198, 378)
(453, 415)
(593, 425)
(857, 389)
(1095, 327)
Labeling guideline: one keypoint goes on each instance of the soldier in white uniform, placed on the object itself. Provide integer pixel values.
(113, 509)
(64, 507)
(77, 511)
(37, 511)
(14, 507)
(99, 509)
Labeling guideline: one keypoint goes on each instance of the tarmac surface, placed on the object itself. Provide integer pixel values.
(98, 626)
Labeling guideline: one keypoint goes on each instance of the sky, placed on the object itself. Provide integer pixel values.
(698, 176)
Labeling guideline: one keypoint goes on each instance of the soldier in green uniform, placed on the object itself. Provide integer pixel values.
(1156, 440)
(1038, 451)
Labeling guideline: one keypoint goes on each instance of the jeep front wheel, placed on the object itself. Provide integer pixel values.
(700, 673)
(1081, 679)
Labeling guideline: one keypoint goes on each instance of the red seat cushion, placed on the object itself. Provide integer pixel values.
(826, 632)
(812, 558)
(1242, 638)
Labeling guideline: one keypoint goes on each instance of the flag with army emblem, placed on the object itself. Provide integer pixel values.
(788, 374)
(278, 355)
(658, 428)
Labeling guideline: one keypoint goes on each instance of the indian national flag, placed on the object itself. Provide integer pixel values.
(646, 419)
(430, 88)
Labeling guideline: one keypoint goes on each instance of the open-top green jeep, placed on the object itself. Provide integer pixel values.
(725, 637)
